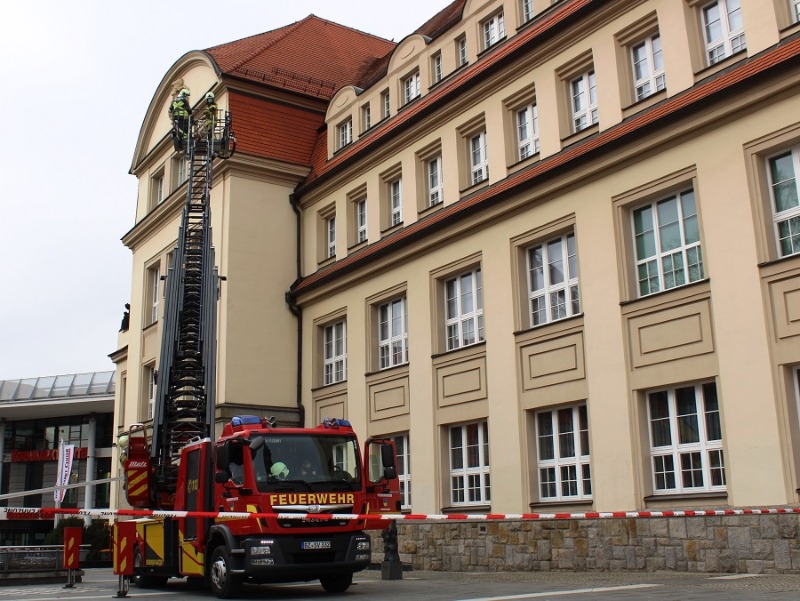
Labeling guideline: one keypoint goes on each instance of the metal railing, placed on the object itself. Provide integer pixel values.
(34, 558)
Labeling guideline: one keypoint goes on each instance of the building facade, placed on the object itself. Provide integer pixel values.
(37, 413)
(552, 248)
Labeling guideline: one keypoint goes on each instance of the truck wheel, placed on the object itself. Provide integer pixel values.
(337, 583)
(144, 580)
(224, 583)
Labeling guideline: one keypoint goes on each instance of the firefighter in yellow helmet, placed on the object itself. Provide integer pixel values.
(180, 112)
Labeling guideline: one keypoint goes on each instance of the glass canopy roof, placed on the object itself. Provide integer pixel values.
(55, 387)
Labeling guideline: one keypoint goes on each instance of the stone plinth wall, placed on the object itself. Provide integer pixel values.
(752, 544)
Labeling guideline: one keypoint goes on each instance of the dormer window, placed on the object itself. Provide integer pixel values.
(345, 133)
(411, 88)
(493, 30)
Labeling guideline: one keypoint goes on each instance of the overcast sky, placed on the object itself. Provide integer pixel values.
(77, 78)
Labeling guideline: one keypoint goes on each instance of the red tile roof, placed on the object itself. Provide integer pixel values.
(311, 56)
(274, 130)
(662, 115)
(461, 81)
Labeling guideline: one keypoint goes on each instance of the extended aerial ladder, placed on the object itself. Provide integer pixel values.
(184, 404)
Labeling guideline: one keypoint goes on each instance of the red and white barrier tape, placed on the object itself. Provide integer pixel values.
(29, 513)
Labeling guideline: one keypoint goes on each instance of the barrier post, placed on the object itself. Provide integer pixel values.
(73, 537)
(124, 536)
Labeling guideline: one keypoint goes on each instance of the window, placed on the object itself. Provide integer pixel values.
(411, 88)
(385, 104)
(470, 482)
(461, 51)
(366, 117)
(795, 11)
(667, 243)
(562, 438)
(527, 131)
(150, 390)
(464, 310)
(553, 280)
(392, 333)
(395, 202)
(345, 133)
(157, 189)
(723, 30)
(434, 172)
(403, 464)
(493, 30)
(330, 237)
(152, 290)
(334, 365)
(648, 67)
(527, 10)
(686, 439)
(584, 101)
(784, 194)
(179, 169)
(436, 67)
(360, 208)
(478, 158)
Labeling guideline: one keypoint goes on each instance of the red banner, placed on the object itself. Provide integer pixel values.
(73, 536)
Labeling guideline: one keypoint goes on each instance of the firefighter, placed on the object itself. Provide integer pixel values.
(206, 129)
(180, 111)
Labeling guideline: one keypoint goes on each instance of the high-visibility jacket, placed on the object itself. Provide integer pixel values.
(179, 108)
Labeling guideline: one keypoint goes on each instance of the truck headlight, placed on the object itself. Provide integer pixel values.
(363, 546)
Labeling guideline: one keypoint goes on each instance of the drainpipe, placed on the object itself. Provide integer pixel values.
(291, 302)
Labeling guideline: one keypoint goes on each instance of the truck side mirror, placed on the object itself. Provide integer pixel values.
(222, 476)
(223, 456)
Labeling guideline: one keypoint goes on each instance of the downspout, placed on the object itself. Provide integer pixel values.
(291, 302)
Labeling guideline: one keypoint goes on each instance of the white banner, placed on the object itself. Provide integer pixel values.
(65, 454)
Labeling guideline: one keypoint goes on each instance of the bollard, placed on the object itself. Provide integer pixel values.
(391, 568)
(73, 536)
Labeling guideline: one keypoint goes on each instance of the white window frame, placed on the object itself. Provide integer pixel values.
(386, 104)
(330, 236)
(494, 30)
(393, 333)
(461, 51)
(563, 461)
(553, 288)
(153, 289)
(470, 474)
(411, 89)
(786, 222)
(150, 378)
(795, 8)
(435, 184)
(661, 264)
(360, 208)
(334, 353)
(527, 10)
(583, 100)
(158, 189)
(436, 67)
(366, 116)
(527, 131)
(463, 309)
(395, 202)
(723, 29)
(677, 463)
(647, 66)
(402, 447)
(345, 131)
(479, 159)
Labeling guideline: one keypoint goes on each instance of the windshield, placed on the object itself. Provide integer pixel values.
(306, 462)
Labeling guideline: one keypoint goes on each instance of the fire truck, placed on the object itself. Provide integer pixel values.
(255, 466)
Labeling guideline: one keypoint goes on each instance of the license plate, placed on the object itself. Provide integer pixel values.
(316, 544)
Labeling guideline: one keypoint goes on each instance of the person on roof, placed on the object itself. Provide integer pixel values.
(180, 112)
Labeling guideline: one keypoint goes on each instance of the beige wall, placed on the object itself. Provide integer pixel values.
(718, 330)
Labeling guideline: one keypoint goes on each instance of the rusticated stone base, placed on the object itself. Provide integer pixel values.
(749, 544)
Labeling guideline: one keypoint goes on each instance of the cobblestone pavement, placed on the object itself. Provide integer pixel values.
(443, 586)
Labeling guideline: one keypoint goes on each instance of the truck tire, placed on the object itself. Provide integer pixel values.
(224, 584)
(337, 583)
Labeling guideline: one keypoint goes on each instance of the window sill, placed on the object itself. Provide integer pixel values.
(695, 496)
(467, 509)
(709, 70)
(463, 349)
(661, 294)
(392, 229)
(561, 504)
(577, 136)
(644, 103)
(474, 187)
(431, 209)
